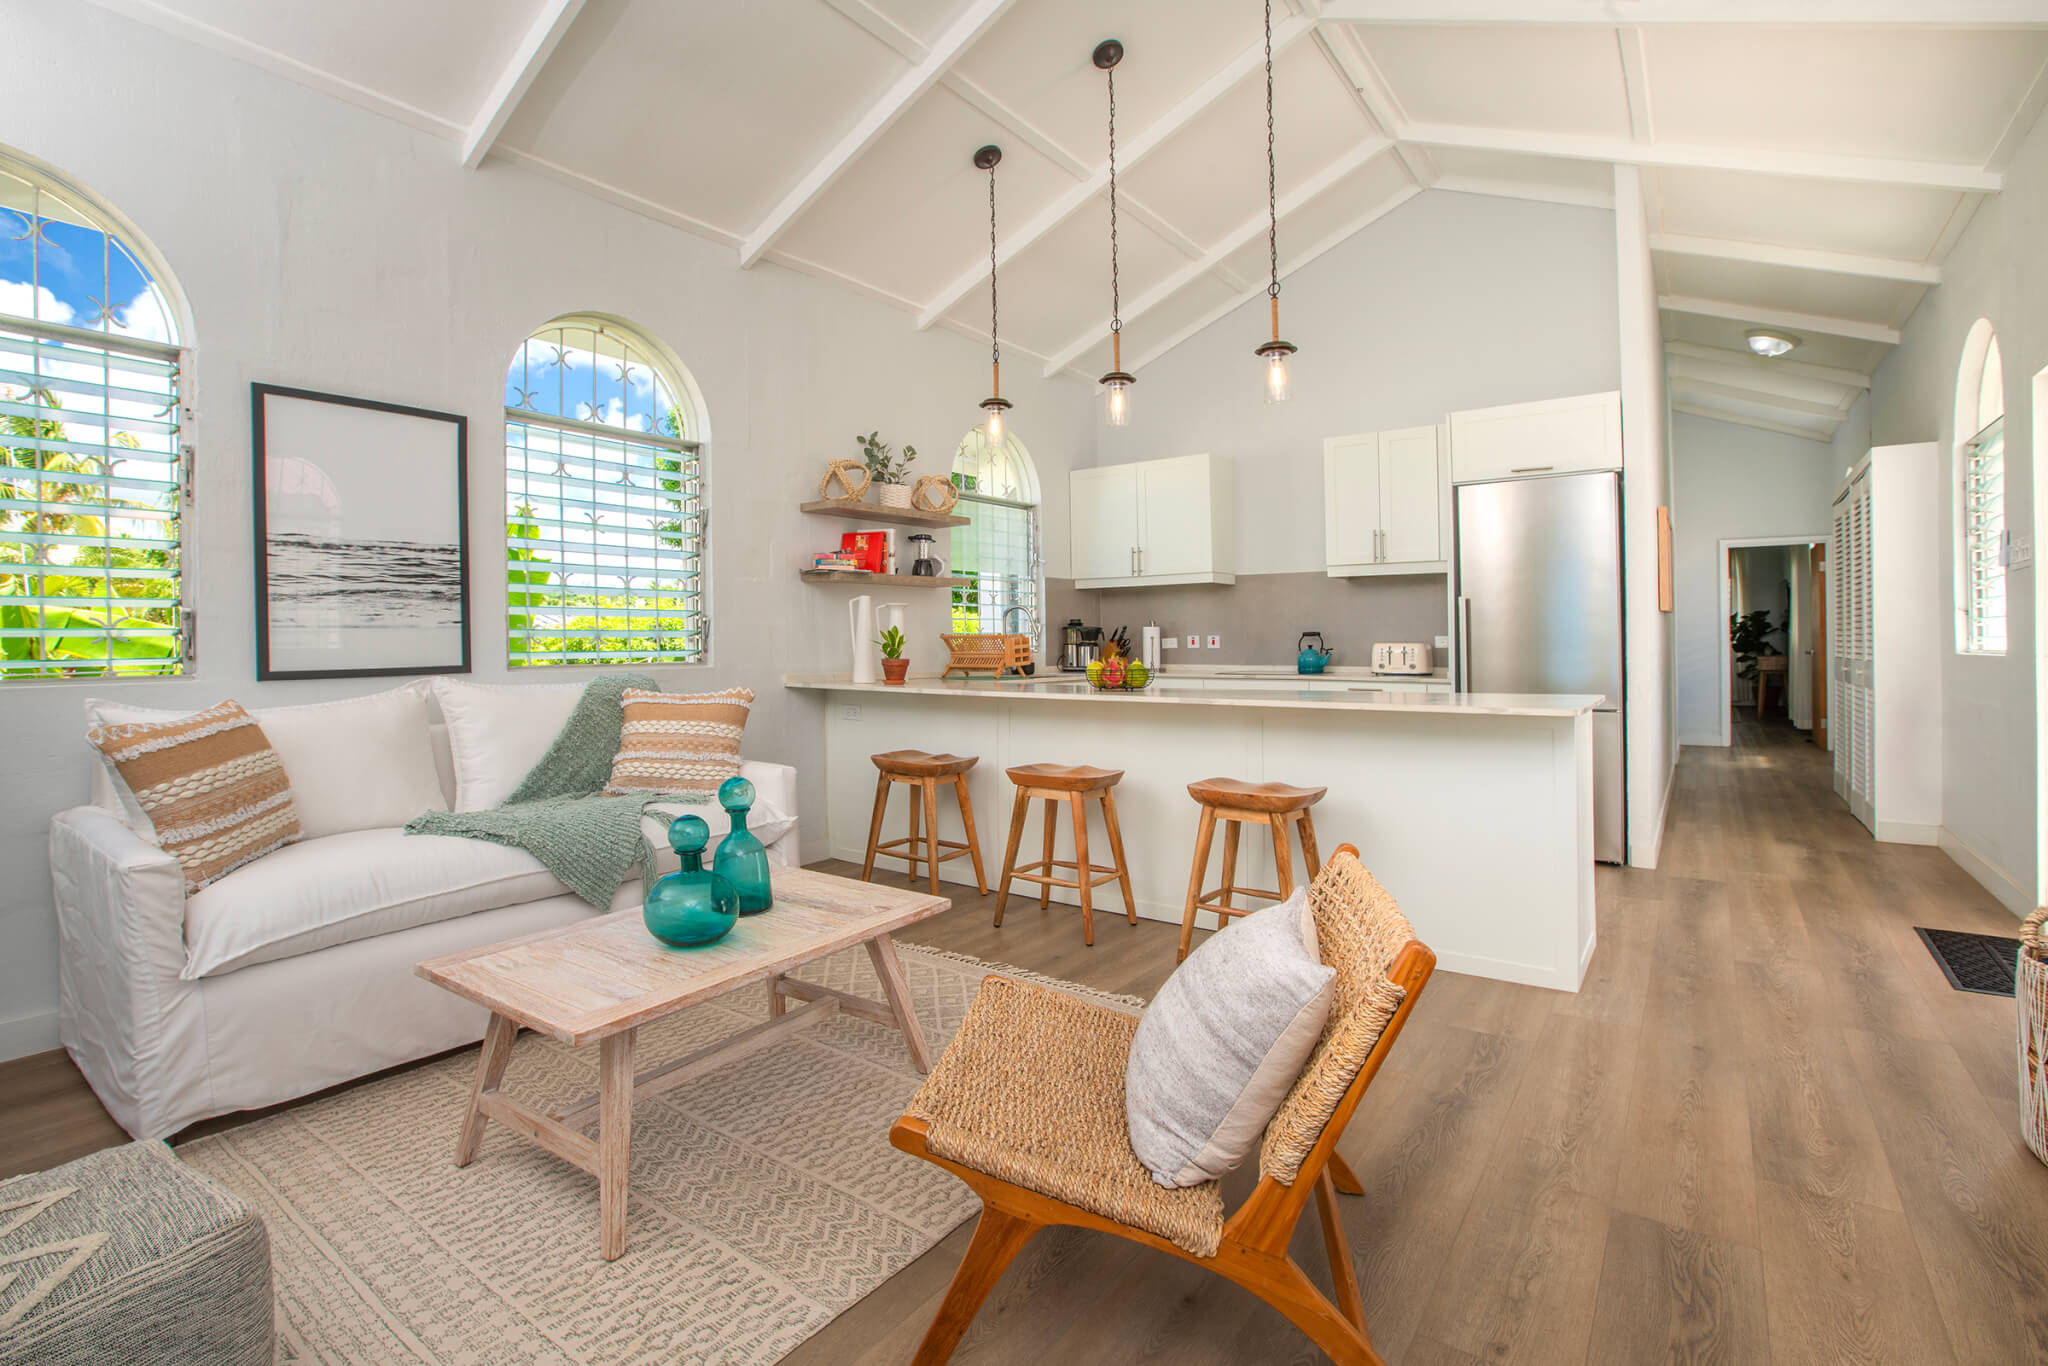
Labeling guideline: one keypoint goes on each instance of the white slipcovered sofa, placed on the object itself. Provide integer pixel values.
(295, 972)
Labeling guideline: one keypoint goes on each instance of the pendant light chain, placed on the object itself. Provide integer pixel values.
(995, 347)
(1116, 319)
(1272, 178)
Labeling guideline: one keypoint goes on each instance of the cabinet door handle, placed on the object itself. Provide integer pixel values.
(1531, 469)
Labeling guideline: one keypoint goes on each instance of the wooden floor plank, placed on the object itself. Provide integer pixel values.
(1667, 1294)
(1845, 1283)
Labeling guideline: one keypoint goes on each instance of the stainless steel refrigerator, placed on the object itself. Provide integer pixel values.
(1539, 610)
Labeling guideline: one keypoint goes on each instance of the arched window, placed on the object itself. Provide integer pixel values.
(604, 505)
(92, 475)
(999, 548)
(1980, 496)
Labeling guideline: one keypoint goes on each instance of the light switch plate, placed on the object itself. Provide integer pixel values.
(1169, 643)
(2022, 551)
(849, 712)
(1194, 641)
(1443, 642)
(1215, 642)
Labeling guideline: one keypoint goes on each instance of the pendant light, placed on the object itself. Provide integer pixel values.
(1275, 352)
(1116, 385)
(995, 404)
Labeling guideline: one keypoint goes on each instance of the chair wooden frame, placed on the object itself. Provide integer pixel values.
(1087, 875)
(1233, 819)
(1253, 1253)
(924, 798)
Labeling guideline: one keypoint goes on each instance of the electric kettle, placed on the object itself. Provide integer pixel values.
(1312, 657)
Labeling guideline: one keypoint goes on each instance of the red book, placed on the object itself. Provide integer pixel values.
(870, 549)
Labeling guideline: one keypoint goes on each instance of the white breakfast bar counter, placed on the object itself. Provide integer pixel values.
(1474, 809)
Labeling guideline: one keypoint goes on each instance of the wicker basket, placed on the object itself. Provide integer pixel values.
(995, 654)
(2032, 990)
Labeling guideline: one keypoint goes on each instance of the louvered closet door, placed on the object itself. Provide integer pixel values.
(1842, 644)
(1863, 778)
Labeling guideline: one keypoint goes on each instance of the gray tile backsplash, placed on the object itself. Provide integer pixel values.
(1260, 618)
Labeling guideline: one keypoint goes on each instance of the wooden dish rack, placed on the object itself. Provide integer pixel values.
(997, 654)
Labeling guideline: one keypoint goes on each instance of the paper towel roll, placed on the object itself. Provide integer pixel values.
(1148, 647)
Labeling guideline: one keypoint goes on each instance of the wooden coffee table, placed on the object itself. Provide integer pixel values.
(600, 980)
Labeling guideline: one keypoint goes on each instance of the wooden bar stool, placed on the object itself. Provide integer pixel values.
(923, 773)
(1075, 786)
(1238, 804)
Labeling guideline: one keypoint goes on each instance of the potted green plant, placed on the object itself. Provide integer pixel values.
(1749, 635)
(894, 665)
(887, 471)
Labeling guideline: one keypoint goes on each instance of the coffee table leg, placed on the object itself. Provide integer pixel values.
(614, 1139)
(882, 950)
(490, 1070)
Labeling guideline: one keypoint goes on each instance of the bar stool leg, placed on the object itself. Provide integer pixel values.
(910, 865)
(1017, 814)
(1308, 844)
(1283, 861)
(1051, 819)
(867, 871)
(1080, 809)
(1228, 895)
(931, 829)
(967, 820)
(1203, 833)
(1116, 849)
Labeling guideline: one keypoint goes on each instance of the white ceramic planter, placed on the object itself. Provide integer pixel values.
(892, 495)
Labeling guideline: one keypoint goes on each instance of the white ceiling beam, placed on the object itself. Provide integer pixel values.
(1351, 229)
(1721, 356)
(2022, 121)
(1355, 67)
(1762, 424)
(1704, 388)
(1534, 193)
(1772, 317)
(539, 44)
(1247, 231)
(1797, 258)
(1847, 13)
(1635, 82)
(1060, 210)
(908, 88)
(1755, 160)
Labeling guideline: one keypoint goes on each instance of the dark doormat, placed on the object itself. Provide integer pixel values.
(1985, 963)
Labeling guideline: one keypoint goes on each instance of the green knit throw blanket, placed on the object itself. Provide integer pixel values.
(589, 841)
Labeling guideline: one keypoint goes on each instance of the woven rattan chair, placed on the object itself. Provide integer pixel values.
(1027, 1107)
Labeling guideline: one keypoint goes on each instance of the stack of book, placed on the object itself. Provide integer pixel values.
(860, 552)
(838, 560)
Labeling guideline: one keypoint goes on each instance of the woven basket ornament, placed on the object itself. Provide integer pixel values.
(842, 472)
(2031, 987)
(934, 493)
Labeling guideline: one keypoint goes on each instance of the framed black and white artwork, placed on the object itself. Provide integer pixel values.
(362, 549)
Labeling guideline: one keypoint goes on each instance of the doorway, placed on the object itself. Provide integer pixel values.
(1774, 599)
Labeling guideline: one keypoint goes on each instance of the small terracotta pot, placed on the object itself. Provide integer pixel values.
(893, 671)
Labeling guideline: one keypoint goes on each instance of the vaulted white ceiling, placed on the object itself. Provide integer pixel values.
(1811, 162)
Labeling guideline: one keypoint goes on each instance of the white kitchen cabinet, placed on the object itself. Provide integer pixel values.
(1553, 436)
(1383, 504)
(1152, 523)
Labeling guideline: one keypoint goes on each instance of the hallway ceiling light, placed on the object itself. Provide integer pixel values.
(1116, 385)
(1770, 344)
(995, 404)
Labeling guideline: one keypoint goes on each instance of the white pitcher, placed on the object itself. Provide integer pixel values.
(860, 613)
(889, 614)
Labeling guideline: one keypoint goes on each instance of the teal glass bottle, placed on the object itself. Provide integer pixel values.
(742, 859)
(693, 906)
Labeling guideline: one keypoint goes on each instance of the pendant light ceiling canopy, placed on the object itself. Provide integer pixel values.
(1116, 385)
(985, 159)
(1274, 352)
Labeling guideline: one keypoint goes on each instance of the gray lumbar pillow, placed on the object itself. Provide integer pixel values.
(1223, 1043)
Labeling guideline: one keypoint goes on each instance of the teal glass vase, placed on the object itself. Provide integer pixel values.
(742, 859)
(692, 906)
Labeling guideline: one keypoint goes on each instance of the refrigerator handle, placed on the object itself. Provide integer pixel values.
(1464, 643)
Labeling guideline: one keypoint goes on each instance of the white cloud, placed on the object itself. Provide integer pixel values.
(143, 317)
(24, 300)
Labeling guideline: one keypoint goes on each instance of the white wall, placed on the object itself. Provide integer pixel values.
(325, 247)
(1989, 795)
(1732, 483)
(1451, 301)
(1646, 486)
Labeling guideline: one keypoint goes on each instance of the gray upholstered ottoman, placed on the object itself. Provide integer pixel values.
(130, 1257)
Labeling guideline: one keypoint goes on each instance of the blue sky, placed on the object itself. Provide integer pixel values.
(64, 272)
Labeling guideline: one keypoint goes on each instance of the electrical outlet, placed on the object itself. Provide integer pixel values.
(1215, 642)
(1443, 642)
(1169, 643)
(849, 712)
(1194, 641)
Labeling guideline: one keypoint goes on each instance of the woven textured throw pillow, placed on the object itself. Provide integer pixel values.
(679, 742)
(211, 785)
(1223, 1042)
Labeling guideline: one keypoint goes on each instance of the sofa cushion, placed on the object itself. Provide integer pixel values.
(680, 742)
(355, 885)
(498, 732)
(360, 763)
(211, 784)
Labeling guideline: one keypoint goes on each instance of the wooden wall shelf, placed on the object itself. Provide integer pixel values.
(875, 512)
(886, 580)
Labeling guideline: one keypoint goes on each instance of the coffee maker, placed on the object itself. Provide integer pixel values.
(1080, 646)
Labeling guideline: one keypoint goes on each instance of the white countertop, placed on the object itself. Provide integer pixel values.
(1362, 697)
(1331, 672)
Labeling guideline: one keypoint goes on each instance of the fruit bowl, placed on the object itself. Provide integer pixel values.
(1118, 675)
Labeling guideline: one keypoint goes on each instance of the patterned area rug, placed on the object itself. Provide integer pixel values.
(765, 1196)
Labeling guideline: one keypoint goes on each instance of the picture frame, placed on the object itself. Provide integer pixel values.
(362, 536)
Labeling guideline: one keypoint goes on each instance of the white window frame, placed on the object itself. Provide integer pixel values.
(47, 361)
(1982, 606)
(688, 580)
(1026, 500)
